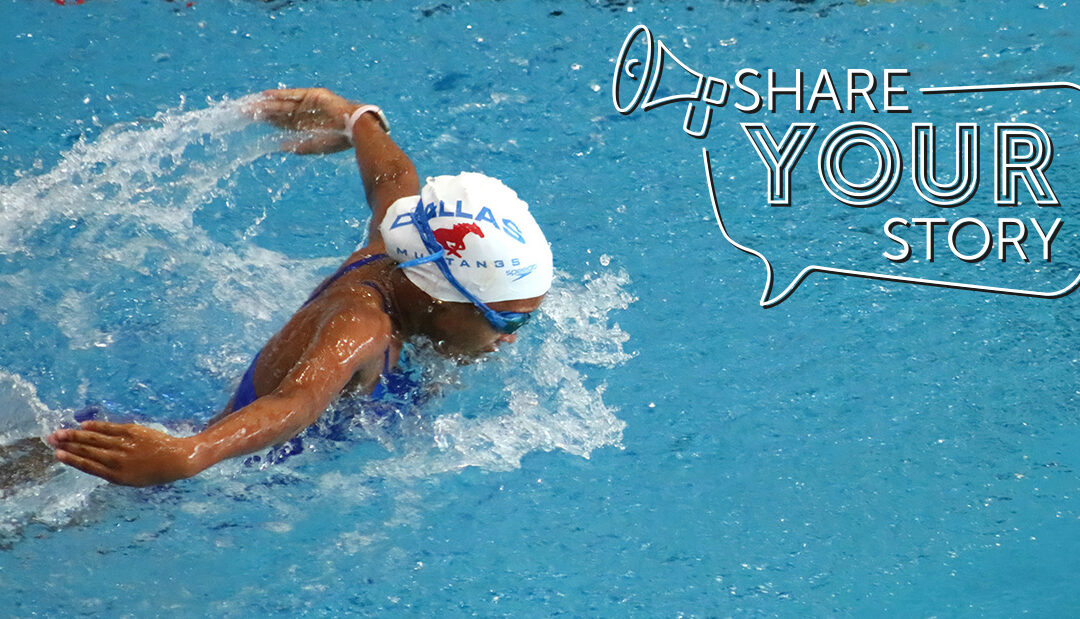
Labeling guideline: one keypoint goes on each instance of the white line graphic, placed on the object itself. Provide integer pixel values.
(767, 302)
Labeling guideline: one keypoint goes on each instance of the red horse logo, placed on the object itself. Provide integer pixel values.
(453, 239)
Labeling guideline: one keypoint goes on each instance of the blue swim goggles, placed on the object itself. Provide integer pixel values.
(503, 322)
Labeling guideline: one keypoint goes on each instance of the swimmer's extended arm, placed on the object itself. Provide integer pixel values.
(346, 342)
(134, 455)
(387, 171)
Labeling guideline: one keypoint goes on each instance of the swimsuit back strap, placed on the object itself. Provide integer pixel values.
(386, 308)
(342, 271)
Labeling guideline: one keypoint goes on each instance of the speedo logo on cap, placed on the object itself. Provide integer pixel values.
(484, 214)
(521, 273)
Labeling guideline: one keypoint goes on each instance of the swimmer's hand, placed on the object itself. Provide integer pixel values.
(307, 109)
(126, 454)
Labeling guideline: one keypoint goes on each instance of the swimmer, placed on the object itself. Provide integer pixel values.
(460, 261)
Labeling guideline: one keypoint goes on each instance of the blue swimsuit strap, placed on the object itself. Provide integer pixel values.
(342, 271)
(388, 308)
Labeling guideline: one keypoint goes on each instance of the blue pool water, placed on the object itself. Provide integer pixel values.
(655, 445)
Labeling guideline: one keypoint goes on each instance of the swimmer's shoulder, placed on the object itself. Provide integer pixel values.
(353, 298)
(375, 248)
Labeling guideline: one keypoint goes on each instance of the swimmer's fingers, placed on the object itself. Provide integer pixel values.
(86, 465)
(318, 97)
(82, 448)
(302, 109)
(278, 113)
(272, 110)
(283, 107)
(105, 457)
(128, 454)
(330, 142)
(95, 439)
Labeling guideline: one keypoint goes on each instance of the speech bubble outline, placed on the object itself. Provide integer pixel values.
(647, 91)
(766, 302)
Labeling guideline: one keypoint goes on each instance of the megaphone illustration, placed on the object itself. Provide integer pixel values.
(656, 55)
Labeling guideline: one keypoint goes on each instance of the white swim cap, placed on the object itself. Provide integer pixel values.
(493, 246)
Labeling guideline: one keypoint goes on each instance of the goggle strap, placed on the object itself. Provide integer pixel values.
(422, 260)
(420, 221)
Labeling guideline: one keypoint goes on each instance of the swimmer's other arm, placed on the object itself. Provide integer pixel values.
(134, 455)
(387, 171)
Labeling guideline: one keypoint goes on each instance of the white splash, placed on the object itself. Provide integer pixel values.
(549, 407)
(107, 238)
(105, 246)
(22, 414)
(56, 493)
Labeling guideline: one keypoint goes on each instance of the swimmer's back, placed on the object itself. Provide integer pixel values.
(353, 293)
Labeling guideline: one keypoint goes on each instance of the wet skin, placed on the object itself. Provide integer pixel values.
(460, 330)
(337, 342)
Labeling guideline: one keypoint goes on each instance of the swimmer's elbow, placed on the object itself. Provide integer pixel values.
(396, 179)
(394, 171)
